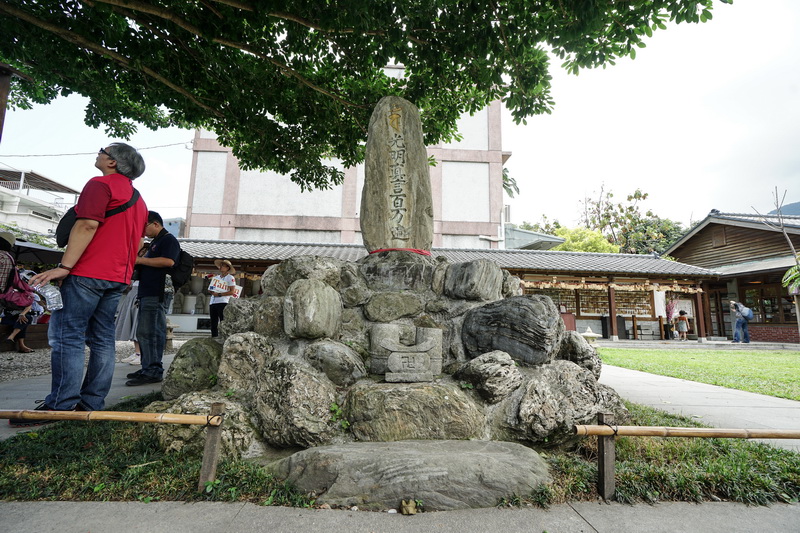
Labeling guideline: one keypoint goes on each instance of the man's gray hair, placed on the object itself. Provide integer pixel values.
(129, 162)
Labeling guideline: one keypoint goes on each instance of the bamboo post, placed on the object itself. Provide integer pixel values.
(123, 416)
(635, 327)
(211, 451)
(708, 433)
(606, 455)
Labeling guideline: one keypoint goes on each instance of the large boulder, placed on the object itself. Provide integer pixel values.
(340, 363)
(575, 348)
(444, 474)
(194, 368)
(293, 404)
(354, 290)
(552, 399)
(278, 278)
(398, 411)
(311, 310)
(239, 439)
(476, 280)
(528, 328)
(244, 357)
(397, 270)
(239, 315)
(390, 306)
(494, 375)
(268, 317)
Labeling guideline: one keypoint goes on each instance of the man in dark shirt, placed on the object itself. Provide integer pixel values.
(152, 329)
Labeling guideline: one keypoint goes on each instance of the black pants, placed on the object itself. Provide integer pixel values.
(13, 320)
(216, 317)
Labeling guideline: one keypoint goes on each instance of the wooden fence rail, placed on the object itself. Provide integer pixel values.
(607, 432)
(212, 421)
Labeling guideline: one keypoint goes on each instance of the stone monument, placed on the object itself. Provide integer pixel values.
(396, 204)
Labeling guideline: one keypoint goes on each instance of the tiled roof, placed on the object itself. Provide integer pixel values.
(745, 220)
(790, 221)
(529, 260)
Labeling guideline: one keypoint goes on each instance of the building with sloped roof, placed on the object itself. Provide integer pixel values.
(751, 254)
(32, 201)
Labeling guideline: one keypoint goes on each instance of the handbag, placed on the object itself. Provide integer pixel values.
(18, 295)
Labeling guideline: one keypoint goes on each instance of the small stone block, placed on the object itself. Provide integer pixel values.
(408, 377)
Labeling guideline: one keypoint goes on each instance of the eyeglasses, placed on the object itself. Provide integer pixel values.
(103, 151)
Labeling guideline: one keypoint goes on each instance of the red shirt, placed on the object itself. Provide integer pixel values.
(112, 252)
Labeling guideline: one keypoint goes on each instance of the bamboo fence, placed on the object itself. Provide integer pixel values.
(607, 432)
(212, 421)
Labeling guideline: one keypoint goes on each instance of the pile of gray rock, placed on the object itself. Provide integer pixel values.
(396, 348)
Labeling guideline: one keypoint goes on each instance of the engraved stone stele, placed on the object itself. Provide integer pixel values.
(396, 204)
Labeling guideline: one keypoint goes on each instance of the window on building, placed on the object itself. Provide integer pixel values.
(770, 304)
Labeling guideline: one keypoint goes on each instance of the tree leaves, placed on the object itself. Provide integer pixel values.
(287, 85)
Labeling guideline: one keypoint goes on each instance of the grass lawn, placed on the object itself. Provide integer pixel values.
(763, 372)
(121, 461)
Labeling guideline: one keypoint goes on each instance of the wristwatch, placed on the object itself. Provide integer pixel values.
(65, 267)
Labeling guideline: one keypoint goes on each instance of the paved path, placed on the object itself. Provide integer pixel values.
(709, 404)
(23, 393)
(177, 517)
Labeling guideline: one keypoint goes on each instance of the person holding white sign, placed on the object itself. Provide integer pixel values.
(222, 287)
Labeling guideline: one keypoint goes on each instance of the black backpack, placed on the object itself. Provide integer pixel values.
(181, 271)
(68, 220)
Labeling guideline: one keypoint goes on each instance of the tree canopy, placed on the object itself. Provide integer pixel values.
(621, 225)
(626, 226)
(288, 84)
(583, 240)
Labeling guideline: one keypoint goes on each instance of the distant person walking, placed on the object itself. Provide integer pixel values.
(682, 325)
(95, 269)
(151, 330)
(740, 332)
(220, 298)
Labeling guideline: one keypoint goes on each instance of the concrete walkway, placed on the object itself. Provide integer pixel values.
(708, 404)
(177, 517)
(23, 393)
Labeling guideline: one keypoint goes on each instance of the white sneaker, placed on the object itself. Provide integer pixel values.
(137, 360)
(129, 358)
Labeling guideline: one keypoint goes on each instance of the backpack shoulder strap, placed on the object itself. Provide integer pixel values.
(125, 206)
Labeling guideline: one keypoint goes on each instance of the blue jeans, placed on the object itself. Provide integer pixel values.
(87, 319)
(152, 335)
(741, 333)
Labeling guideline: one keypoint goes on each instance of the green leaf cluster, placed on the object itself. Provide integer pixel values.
(291, 85)
(791, 279)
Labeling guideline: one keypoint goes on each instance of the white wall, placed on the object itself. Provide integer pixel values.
(204, 232)
(269, 193)
(209, 182)
(465, 192)
(464, 242)
(286, 235)
(474, 130)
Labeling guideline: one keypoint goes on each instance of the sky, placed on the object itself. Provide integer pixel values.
(706, 117)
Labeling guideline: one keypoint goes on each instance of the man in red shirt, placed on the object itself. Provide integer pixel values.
(96, 267)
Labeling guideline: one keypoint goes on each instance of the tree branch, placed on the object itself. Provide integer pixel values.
(81, 41)
(191, 28)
